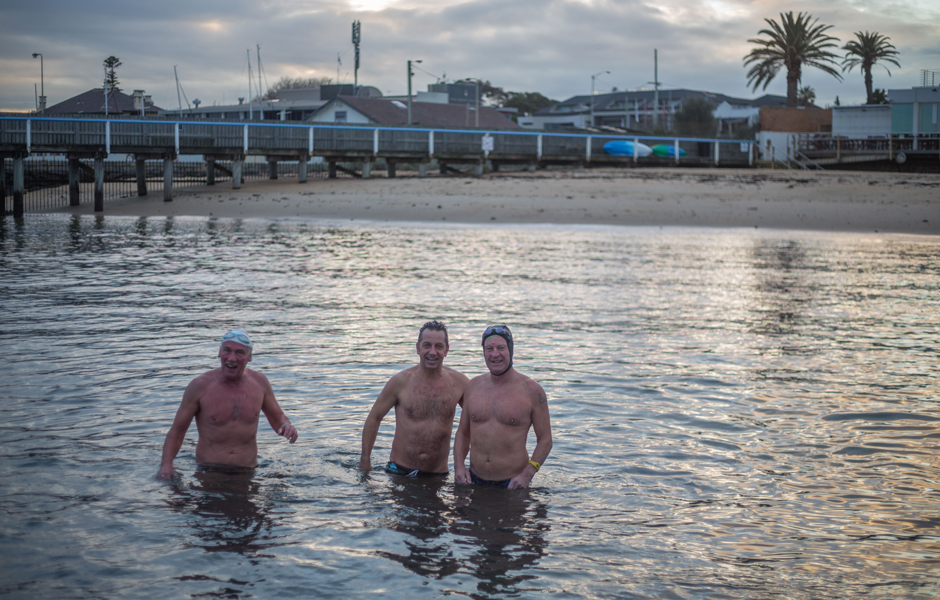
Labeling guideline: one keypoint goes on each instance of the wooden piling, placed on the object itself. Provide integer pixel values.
(210, 170)
(366, 169)
(391, 169)
(237, 173)
(18, 186)
(168, 178)
(141, 176)
(302, 170)
(75, 174)
(272, 169)
(99, 183)
(331, 169)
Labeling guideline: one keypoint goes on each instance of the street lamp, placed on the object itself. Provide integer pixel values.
(592, 93)
(410, 74)
(42, 83)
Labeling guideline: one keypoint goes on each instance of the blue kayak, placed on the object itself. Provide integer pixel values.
(625, 148)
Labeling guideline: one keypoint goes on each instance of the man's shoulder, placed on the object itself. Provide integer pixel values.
(456, 375)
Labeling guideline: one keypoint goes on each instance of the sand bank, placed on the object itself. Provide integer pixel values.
(828, 201)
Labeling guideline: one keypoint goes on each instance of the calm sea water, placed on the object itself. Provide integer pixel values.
(736, 413)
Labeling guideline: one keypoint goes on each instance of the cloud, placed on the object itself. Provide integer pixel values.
(550, 46)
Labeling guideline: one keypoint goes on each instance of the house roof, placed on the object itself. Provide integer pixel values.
(92, 102)
(382, 111)
(615, 100)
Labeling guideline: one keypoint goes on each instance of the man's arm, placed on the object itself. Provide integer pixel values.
(177, 433)
(541, 423)
(462, 447)
(273, 412)
(388, 398)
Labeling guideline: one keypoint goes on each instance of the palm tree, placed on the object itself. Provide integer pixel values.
(806, 96)
(793, 42)
(864, 52)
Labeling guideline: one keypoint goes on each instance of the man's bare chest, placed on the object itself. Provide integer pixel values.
(226, 407)
(425, 403)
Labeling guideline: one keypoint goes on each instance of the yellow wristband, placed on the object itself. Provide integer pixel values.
(536, 465)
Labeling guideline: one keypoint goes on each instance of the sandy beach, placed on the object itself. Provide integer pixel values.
(826, 201)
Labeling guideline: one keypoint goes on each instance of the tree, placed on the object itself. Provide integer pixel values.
(879, 96)
(696, 118)
(299, 83)
(489, 93)
(806, 96)
(527, 103)
(864, 51)
(111, 64)
(794, 42)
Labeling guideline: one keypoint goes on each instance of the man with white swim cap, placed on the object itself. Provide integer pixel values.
(226, 403)
(498, 410)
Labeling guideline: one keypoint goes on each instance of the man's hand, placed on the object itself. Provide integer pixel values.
(522, 480)
(461, 474)
(365, 464)
(288, 431)
(166, 473)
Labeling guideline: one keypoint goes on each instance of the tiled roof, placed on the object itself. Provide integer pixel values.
(427, 114)
(92, 102)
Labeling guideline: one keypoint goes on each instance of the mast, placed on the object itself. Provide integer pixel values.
(250, 101)
(178, 100)
(260, 106)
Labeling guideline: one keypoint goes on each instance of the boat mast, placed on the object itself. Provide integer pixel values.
(250, 101)
(260, 106)
(178, 100)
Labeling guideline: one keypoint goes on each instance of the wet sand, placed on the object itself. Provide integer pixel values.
(826, 201)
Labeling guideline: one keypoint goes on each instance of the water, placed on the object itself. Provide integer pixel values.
(736, 413)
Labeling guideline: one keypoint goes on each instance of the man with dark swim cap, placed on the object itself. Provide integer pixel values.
(226, 403)
(425, 399)
(499, 408)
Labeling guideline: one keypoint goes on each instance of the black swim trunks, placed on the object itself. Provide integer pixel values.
(396, 469)
(503, 484)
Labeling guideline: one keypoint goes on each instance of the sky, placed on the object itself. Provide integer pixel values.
(548, 46)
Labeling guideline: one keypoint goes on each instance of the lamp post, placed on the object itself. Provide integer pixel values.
(42, 83)
(410, 74)
(592, 93)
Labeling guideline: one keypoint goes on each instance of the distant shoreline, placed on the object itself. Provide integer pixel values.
(816, 201)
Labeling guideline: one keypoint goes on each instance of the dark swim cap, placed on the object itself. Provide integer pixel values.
(503, 332)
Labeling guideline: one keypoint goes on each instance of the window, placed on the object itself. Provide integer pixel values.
(339, 116)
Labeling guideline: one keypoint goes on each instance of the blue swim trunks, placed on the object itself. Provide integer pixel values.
(396, 469)
(478, 481)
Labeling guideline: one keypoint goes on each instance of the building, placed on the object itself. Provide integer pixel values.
(93, 102)
(915, 111)
(641, 111)
(391, 112)
(290, 105)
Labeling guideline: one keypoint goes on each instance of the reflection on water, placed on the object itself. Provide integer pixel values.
(739, 414)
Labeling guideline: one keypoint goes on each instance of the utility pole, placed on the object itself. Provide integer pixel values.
(410, 73)
(478, 104)
(41, 104)
(592, 94)
(250, 101)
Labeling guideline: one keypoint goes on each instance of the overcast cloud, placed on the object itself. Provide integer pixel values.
(551, 46)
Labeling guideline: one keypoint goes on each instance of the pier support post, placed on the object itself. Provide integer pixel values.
(272, 169)
(18, 186)
(478, 169)
(210, 170)
(366, 169)
(533, 167)
(331, 173)
(75, 175)
(167, 178)
(3, 186)
(391, 169)
(99, 183)
(141, 176)
(302, 170)
(443, 167)
(422, 170)
(237, 173)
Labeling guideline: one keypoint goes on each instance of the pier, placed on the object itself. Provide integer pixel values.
(351, 149)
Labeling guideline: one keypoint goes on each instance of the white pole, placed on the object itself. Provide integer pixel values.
(250, 101)
(260, 93)
(178, 99)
